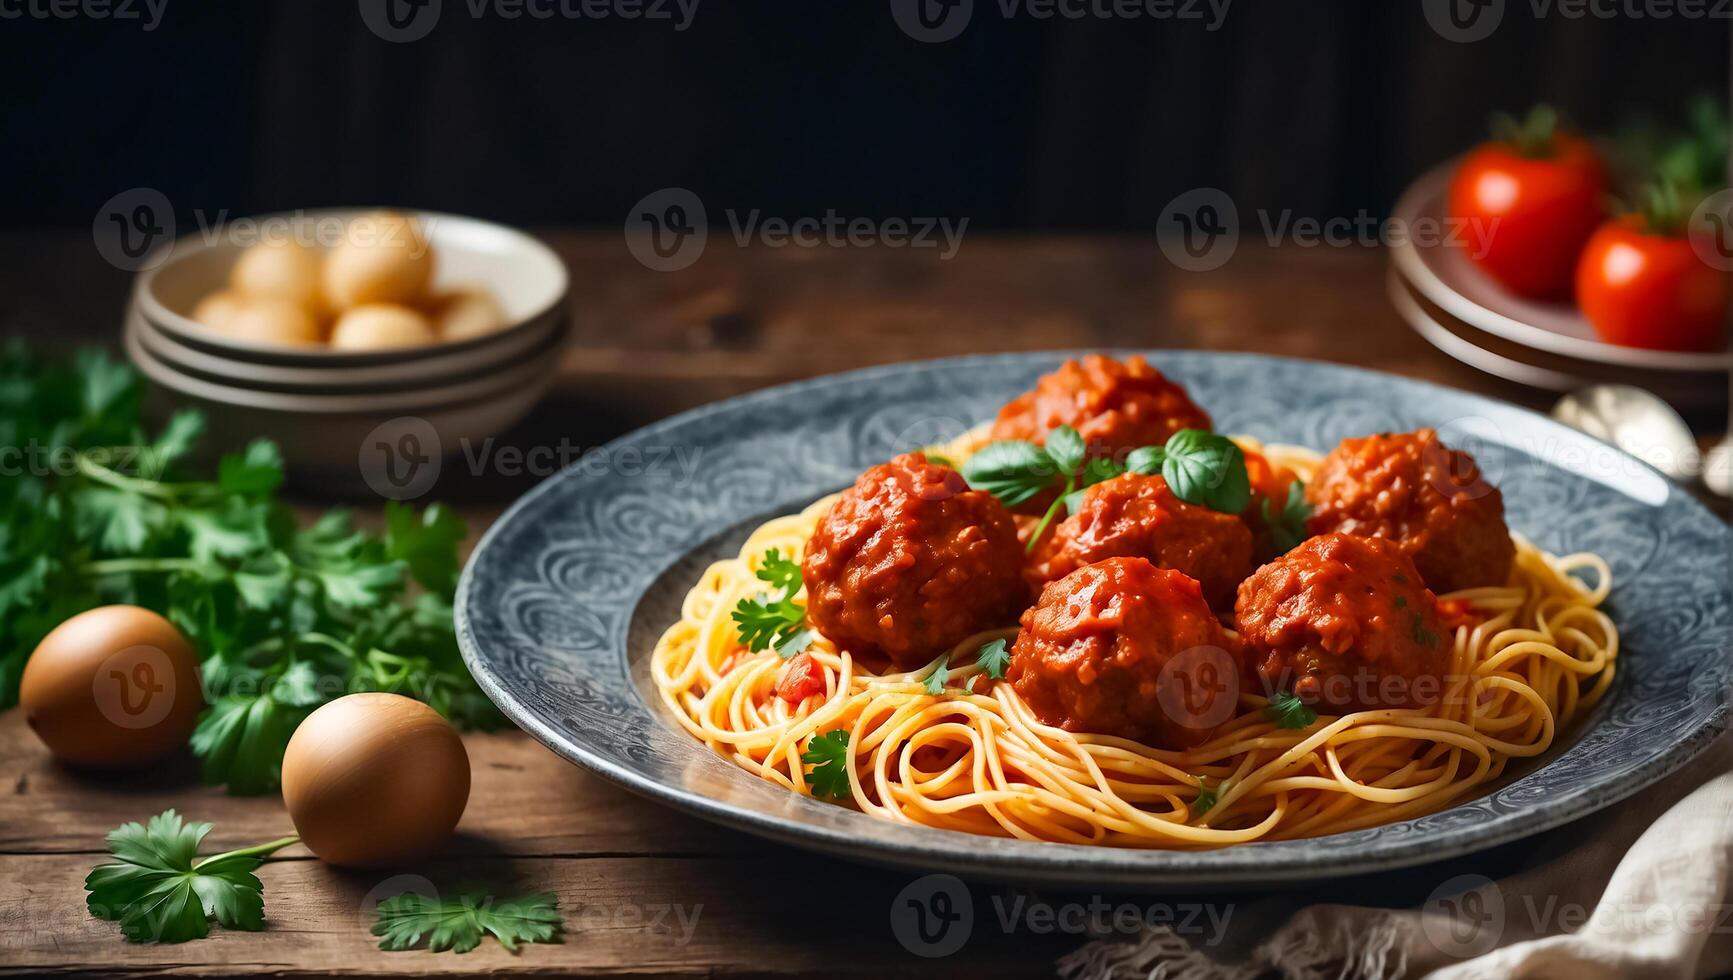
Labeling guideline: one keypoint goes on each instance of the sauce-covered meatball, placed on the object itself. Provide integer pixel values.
(1139, 516)
(1420, 493)
(1345, 622)
(1124, 648)
(1116, 407)
(909, 562)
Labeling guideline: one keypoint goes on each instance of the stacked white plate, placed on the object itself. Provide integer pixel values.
(1463, 312)
(333, 412)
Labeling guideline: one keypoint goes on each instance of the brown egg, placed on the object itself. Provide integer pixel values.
(380, 326)
(287, 271)
(218, 309)
(272, 321)
(466, 313)
(375, 780)
(383, 258)
(113, 687)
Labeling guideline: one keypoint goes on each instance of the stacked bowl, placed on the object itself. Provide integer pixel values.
(339, 415)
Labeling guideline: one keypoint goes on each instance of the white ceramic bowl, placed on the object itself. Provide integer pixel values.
(526, 277)
(536, 337)
(331, 440)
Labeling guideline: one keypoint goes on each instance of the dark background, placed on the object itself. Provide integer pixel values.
(1324, 107)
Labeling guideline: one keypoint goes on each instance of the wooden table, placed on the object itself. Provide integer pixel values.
(648, 891)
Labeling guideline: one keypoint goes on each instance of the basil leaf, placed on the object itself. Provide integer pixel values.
(1100, 469)
(1288, 528)
(1010, 470)
(1146, 461)
(1207, 469)
(1065, 447)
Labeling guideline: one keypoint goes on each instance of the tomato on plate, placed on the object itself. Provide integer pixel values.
(1641, 288)
(1526, 203)
(801, 678)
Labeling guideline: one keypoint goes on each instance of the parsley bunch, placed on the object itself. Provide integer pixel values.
(95, 511)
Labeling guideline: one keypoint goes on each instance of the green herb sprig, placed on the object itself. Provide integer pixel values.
(1288, 711)
(1207, 797)
(934, 684)
(458, 922)
(994, 657)
(1200, 468)
(160, 891)
(1288, 528)
(827, 754)
(777, 621)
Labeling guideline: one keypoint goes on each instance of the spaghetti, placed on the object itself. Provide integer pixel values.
(975, 758)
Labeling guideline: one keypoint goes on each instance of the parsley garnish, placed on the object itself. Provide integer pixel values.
(935, 682)
(782, 573)
(459, 922)
(1288, 711)
(796, 643)
(1422, 635)
(1288, 528)
(285, 617)
(1205, 800)
(994, 657)
(161, 892)
(1401, 602)
(827, 754)
(766, 621)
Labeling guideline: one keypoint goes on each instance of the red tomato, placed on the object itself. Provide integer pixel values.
(1524, 219)
(1646, 290)
(801, 679)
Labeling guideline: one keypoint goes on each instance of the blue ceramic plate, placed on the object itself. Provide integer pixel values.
(566, 595)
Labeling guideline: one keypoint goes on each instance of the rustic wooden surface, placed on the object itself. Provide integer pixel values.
(647, 344)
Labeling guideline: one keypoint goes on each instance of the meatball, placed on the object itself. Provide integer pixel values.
(1345, 622)
(1117, 407)
(1139, 516)
(909, 562)
(1124, 648)
(1420, 493)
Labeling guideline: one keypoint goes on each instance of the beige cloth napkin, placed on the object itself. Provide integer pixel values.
(1641, 890)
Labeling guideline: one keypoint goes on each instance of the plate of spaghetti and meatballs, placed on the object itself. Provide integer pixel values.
(1159, 618)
